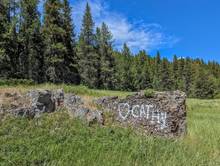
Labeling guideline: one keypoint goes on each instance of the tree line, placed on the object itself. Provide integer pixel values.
(48, 50)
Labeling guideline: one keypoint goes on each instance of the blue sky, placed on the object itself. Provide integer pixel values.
(182, 27)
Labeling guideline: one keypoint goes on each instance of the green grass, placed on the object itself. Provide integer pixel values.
(56, 139)
(79, 90)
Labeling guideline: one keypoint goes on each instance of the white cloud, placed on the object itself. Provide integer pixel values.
(138, 35)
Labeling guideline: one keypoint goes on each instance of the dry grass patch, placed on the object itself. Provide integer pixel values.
(12, 98)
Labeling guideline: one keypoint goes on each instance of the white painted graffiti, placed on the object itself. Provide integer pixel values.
(148, 112)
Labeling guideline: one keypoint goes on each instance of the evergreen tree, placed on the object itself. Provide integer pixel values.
(181, 63)
(141, 72)
(51, 53)
(31, 41)
(105, 50)
(99, 49)
(54, 36)
(214, 68)
(175, 72)
(126, 76)
(187, 76)
(89, 59)
(204, 86)
(3, 23)
(157, 74)
(165, 81)
(9, 43)
(71, 74)
(119, 60)
(3, 20)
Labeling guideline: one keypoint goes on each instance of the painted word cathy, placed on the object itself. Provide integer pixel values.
(143, 112)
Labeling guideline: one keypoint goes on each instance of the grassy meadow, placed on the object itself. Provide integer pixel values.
(56, 139)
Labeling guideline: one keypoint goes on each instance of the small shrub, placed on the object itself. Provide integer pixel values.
(149, 92)
(217, 96)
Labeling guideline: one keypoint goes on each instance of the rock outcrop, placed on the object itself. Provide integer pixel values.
(162, 114)
(87, 115)
(76, 108)
(37, 102)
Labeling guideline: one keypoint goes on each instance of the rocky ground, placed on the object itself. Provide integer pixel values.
(36, 102)
(163, 113)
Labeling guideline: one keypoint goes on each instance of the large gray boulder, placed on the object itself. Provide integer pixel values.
(162, 114)
(41, 101)
(45, 101)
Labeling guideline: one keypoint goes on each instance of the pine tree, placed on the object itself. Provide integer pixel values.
(9, 43)
(99, 49)
(141, 72)
(214, 68)
(119, 60)
(31, 41)
(71, 74)
(88, 64)
(157, 74)
(51, 53)
(175, 72)
(165, 81)
(105, 51)
(123, 75)
(127, 79)
(3, 20)
(54, 36)
(3, 23)
(204, 85)
(181, 63)
(187, 76)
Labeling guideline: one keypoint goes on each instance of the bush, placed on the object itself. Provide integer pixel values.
(14, 82)
(149, 92)
(217, 96)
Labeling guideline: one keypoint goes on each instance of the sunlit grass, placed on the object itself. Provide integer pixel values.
(79, 90)
(56, 139)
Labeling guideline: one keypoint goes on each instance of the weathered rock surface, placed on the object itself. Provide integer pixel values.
(163, 114)
(77, 109)
(43, 101)
(59, 96)
(31, 105)
(71, 100)
(37, 102)
(88, 115)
